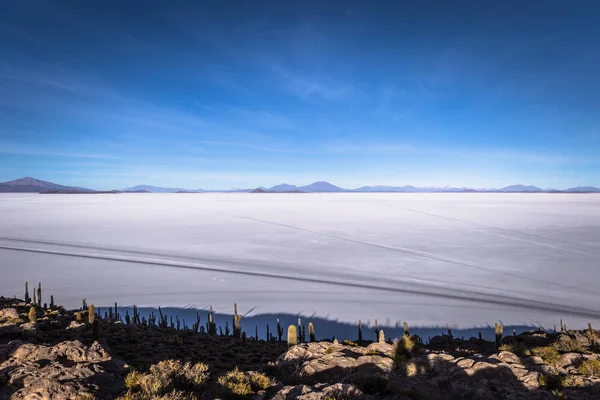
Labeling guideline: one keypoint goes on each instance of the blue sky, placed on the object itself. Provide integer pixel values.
(223, 94)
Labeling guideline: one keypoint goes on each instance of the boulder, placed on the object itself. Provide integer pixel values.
(64, 371)
(507, 357)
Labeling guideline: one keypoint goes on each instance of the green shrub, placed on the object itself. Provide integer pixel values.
(571, 345)
(133, 381)
(404, 349)
(167, 380)
(243, 385)
(517, 348)
(590, 367)
(330, 350)
(350, 343)
(547, 353)
(551, 381)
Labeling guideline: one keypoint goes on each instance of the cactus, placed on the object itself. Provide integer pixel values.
(39, 294)
(299, 331)
(211, 326)
(227, 330)
(27, 298)
(311, 332)
(52, 305)
(591, 332)
(450, 336)
(116, 312)
(32, 315)
(359, 331)
(268, 334)
(562, 327)
(78, 316)
(292, 338)
(34, 302)
(83, 304)
(243, 336)
(479, 336)
(381, 336)
(96, 329)
(279, 331)
(499, 330)
(237, 329)
(127, 317)
(406, 331)
(376, 330)
(91, 314)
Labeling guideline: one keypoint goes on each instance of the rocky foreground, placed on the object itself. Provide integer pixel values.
(51, 355)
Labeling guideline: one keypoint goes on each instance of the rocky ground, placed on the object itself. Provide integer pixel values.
(56, 357)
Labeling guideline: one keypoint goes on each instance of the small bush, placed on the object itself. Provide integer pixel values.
(243, 385)
(259, 381)
(551, 381)
(547, 353)
(517, 348)
(330, 350)
(350, 343)
(167, 380)
(133, 381)
(590, 367)
(571, 345)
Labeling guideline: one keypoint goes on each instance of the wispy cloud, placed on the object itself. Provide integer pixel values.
(303, 86)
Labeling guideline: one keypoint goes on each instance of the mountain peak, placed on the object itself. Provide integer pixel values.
(321, 186)
(32, 185)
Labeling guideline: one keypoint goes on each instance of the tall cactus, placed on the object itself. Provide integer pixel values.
(91, 314)
(359, 331)
(299, 332)
(96, 330)
(499, 330)
(376, 330)
(34, 302)
(279, 331)
(27, 298)
(292, 336)
(381, 336)
(237, 330)
(268, 334)
(32, 315)
(591, 333)
(39, 294)
(311, 332)
(406, 331)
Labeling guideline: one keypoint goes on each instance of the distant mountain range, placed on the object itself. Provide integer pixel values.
(31, 185)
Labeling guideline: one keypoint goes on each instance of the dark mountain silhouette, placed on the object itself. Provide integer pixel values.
(32, 185)
(521, 188)
(321, 187)
(583, 189)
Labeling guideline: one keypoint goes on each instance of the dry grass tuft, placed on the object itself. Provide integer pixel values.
(547, 353)
(236, 384)
(590, 367)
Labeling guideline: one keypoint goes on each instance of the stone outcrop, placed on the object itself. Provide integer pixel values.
(309, 371)
(67, 370)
